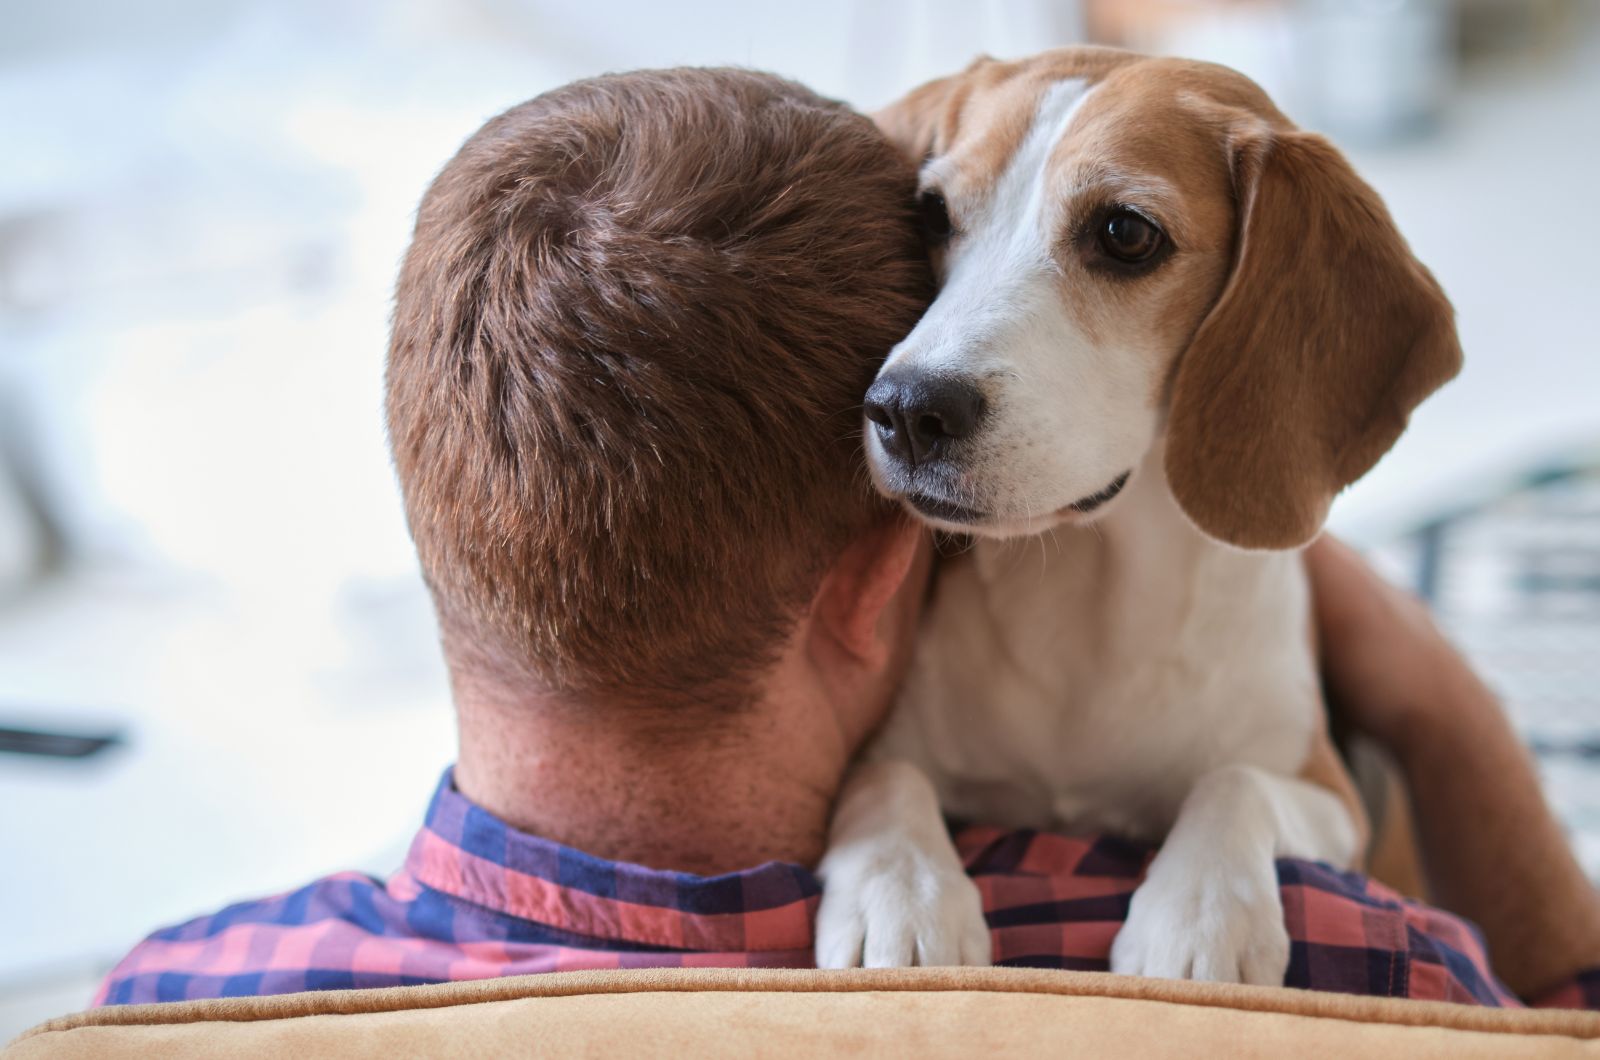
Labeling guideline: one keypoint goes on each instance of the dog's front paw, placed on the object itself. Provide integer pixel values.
(890, 904)
(1222, 923)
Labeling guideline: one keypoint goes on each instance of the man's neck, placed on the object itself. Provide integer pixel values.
(739, 791)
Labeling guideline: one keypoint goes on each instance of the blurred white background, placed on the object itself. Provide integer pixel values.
(202, 208)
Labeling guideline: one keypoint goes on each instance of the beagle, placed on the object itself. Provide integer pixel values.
(1170, 327)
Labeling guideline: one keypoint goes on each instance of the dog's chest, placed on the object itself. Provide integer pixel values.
(1088, 680)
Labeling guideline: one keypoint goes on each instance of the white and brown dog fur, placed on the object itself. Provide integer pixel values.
(1174, 422)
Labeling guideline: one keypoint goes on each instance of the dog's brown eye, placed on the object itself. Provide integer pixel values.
(1128, 237)
(935, 217)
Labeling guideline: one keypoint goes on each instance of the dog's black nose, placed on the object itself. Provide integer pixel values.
(917, 416)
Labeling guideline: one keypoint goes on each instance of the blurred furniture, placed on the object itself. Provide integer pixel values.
(1374, 71)
(1512, 572)
(19, 544)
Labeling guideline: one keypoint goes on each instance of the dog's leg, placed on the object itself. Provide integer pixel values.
(1209, 907)
(894, 892)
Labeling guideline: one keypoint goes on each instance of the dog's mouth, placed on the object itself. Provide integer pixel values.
(940, 510)
(1085, 505)
(931, 507)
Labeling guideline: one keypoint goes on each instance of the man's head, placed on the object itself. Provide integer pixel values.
(631, 337)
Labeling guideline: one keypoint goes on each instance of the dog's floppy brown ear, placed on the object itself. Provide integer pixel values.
(923, 121)
(1327, 334)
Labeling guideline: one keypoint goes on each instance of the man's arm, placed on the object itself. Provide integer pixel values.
(1491, 849)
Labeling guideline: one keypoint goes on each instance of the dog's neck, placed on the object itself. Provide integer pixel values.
(1157, 570)
(1146, 528)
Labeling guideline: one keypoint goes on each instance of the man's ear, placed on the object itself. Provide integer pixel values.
(1326, 336)
(863, 584)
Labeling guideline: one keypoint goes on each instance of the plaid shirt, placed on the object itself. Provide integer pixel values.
(477, 898)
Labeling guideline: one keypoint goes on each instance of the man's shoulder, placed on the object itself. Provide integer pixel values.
(1057, 900)
(319, 936)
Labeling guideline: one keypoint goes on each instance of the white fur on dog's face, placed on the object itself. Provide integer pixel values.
(1069, 354)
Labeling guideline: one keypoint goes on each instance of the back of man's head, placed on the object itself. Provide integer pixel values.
(631, 337)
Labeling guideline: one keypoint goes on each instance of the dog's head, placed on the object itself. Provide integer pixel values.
(1131, 249)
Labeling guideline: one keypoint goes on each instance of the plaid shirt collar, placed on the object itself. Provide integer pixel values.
(479, 898)
(465, 851)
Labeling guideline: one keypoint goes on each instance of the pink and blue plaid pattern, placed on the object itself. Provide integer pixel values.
(478, 899)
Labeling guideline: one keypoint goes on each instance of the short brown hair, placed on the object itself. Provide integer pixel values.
(631, 338)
